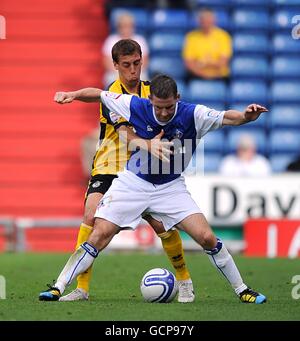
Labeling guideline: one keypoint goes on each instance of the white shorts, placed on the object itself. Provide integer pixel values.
(130, 197)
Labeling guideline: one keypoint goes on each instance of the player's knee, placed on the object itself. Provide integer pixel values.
(102, 234)
(88, 217)
(207, 240)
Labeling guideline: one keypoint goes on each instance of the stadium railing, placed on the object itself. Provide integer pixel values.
(16, 237)
(22, 224)
(9, 233)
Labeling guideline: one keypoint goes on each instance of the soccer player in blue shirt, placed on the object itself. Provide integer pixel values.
(155, 187)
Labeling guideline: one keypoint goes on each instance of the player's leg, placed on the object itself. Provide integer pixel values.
(172, 245)
(83, 280)
(98, 185)
(115, 210)
(82, 258)
(198, 228)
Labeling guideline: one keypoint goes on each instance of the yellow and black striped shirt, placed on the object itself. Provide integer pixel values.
(112, 155)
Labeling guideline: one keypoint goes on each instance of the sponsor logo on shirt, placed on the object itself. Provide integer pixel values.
(114, 117)
(213, 113)
(97, 184)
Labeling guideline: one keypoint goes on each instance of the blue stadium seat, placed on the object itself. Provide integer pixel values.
(285, 91)
(282, 19)
(285, 141)
(181, 88)
(222, 19)
(287, 2)
(249, 3)
(285, 67)
(279, 162)
(169, 19)
(247, 92)
(251, 19)
(283, 43)
(261, 122)
(220, 106)
(166, 43)
(213, 3)
(140, 16)
(254, 67)
(285, 116)
(201, 91)
(250, 43)
(259, 136)
(196, 165)
(172, 66)
(203, 163)
(212, 162)
(214, 142)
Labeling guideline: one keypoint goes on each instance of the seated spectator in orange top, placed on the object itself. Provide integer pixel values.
(125, 30)
(207, 50)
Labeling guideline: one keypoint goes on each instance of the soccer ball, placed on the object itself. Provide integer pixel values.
(159, 286)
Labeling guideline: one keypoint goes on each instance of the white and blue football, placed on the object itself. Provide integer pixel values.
(159, 286)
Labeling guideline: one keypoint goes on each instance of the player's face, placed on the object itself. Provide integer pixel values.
(164, 108)
(207, 20)
(129, 68)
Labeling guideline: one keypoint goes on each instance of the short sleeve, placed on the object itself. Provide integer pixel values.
(118, 105)
(207, 119)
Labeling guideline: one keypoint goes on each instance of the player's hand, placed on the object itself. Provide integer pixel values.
(253, 111)
(161, 148)
(64, 97)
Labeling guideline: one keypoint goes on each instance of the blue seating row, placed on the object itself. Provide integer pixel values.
(238, 18)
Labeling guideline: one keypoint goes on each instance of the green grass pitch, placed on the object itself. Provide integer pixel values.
(115, 293)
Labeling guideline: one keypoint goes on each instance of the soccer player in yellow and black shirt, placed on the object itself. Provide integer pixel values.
(111, 158)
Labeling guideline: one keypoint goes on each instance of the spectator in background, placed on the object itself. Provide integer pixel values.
(207, 50)
(246, 162)
(125, 30)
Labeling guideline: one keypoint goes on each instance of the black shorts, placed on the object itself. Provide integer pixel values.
(99, 183)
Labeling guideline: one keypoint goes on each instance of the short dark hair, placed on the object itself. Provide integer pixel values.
(125, 47)
(163, 86)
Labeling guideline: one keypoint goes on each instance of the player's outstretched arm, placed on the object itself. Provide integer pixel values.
(156, 146)
(236, 118)
(83, 95)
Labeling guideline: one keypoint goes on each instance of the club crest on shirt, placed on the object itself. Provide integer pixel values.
(178, 134)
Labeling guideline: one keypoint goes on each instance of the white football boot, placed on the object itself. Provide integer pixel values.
(186, 291)
(75, 295)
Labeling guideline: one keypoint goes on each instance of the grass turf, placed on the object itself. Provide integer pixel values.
(115, 294)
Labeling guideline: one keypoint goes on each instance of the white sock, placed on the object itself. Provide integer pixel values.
(79, 262)
(222, 260)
